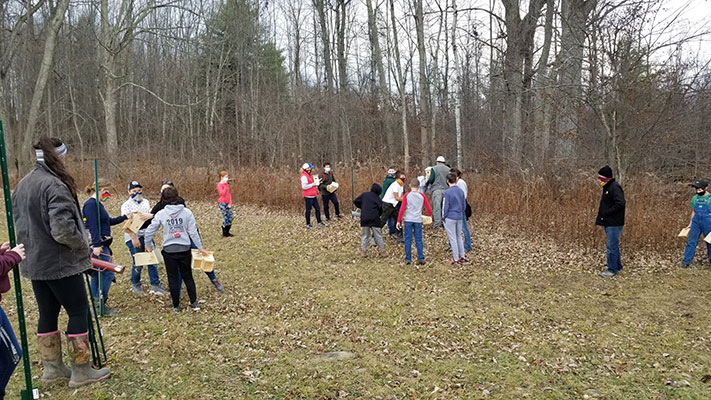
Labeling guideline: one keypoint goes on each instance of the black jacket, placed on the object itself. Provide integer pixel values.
(326, 179)
(371, 206)
(612, 205)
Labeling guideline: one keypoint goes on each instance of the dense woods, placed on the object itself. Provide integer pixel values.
(505, 85)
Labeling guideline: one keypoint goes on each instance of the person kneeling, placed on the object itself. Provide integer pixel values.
(179, 229)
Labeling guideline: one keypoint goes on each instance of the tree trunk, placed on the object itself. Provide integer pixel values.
(544, 92)
(401, 89)
(383, 91)
(423, 83)
(41, 83)
(326, 42)
(457, 88)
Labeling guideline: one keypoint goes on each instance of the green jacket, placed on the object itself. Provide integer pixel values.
(389, 180)
(326, 179)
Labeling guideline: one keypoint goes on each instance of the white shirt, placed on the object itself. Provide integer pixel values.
(463, 185)
(130, 206)
(390, 193)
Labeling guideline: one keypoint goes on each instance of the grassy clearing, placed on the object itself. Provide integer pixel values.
(527, 319)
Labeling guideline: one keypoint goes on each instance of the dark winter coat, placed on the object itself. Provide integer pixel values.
(48, 222)
(326, 179)
(612, 205)
(389, 180)
(371, 206)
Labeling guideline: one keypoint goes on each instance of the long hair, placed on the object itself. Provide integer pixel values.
(54, 163)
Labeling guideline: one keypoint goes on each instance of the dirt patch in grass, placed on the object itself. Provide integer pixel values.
(528, 318)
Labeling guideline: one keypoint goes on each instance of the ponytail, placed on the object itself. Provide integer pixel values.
(51, 159)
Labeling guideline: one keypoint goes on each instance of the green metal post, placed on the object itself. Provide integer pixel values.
(98, 222)
(29, 392)
(352, 188)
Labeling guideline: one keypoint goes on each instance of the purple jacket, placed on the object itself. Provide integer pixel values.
(8, 260)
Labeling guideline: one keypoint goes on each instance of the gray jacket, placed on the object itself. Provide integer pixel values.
(49, 223)
(440, 180)
(178, 228)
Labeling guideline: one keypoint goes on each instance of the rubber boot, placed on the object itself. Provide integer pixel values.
(224, 231)
(50, 349)
(227, 231)
(80, 361)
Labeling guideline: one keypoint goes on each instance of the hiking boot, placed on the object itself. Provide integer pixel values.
(138, 289)
(158, 289)
(194, 305)
(218, 285)
(50, 349)
(110, 311)
(607, 274)
(420, 262)
(80, 360)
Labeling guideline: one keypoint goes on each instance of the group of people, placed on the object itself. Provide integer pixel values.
(324, 185)
(61, 237)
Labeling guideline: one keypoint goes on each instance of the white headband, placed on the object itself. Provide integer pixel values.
(61, 152)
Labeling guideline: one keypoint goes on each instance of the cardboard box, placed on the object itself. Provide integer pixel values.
(143, 258)
(707, 239)
(426, 220)
(205, 264)
(684, 233)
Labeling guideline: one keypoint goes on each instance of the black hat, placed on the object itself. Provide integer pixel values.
(605, 171)
(134, 184)
(700, 184)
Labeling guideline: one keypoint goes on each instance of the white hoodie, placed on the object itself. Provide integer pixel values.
(178, 228)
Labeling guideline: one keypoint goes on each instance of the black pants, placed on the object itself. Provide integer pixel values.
(312, 202)
(70, 293)
(389, 210)
(333, 199)
(179, 262)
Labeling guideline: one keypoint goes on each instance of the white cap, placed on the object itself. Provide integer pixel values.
(440, 159)
(306, 166)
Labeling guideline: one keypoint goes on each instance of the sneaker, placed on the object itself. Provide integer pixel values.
(157, 289)
(321, 224)
(420, 262)
(339, 216)
(685, 265)
(453, 262)
(463, 260)
(363, 253)
(138, 289)
(328, 219)
(218, 285)
(175, 309)
(607, 274)
(195, 306)
(407, 262)
(110, 311)
(308, 226)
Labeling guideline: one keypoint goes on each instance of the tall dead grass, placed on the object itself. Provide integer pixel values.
(562, 208)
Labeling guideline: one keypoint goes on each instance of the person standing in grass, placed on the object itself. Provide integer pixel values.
(453, 205)
(309, 191)
(410, 220)
(101, 240)
(467, 210)
(700, 222)
(47, 215)
(371, 208)
(161, 205)
(10, 350)
(389, 180)
(327, 178)
(611, 216)
(224, 201)
(136, 243)
(438, 184)
(179, 230)
(391, 201)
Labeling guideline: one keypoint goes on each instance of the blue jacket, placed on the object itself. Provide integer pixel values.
(454, 204)
(89, 212)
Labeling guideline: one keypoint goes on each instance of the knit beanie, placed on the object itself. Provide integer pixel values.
(605, 171)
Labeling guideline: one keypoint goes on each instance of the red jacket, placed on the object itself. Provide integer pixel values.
(223, 190)
(313, 190)
(8, 260)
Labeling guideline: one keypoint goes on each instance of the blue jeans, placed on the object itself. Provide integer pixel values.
(416, 229)
(10, 352)
(331, 197)
(136, 270)
(392, 228)
(698, 226)
(612, 237)
(312, 202)
(467, 235)
(107, 277)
